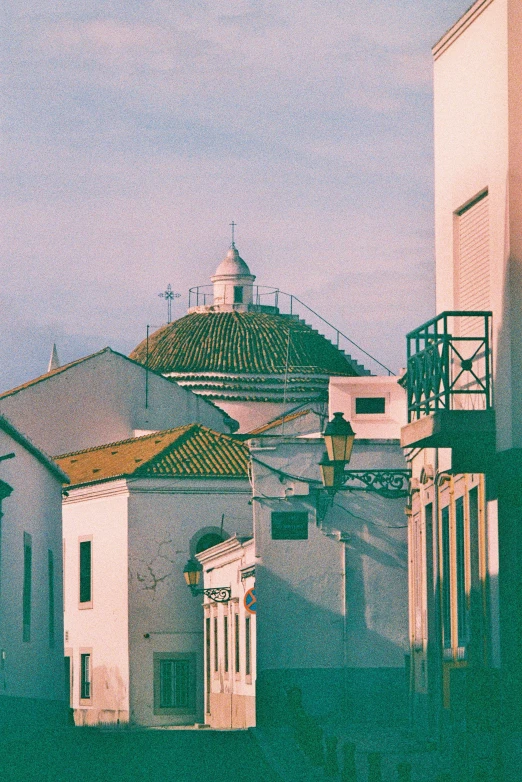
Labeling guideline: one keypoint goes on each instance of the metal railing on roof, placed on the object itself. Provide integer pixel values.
(275, 300)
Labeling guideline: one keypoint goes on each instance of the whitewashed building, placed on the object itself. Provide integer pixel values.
(229, 636)
(135, 512)
(32, 687)
(464, 382)
(102, 398)
(330, 579)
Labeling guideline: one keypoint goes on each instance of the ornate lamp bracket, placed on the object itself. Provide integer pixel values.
(217, 594)
(391, 484)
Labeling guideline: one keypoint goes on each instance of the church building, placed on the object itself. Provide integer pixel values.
(236, 348)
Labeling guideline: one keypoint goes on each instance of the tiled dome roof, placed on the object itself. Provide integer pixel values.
(242, 343)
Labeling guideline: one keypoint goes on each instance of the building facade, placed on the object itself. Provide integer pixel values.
(464, 377)
(31, 606)
(136, 511)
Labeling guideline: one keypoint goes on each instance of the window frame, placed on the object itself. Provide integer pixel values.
(85, 604)
(190, 658)
(82, 681)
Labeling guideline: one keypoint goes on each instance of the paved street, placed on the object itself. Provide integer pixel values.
(91, 755)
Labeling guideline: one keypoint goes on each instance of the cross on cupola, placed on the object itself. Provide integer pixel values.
(168, 295)
(233, 225)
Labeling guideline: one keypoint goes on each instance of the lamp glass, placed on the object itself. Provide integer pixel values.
(338, 438)
(192, 572)
(327, 471)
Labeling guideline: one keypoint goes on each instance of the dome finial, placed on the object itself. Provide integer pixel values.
(233, 225)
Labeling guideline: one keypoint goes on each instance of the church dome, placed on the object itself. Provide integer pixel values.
(232, 265)
(253, 343)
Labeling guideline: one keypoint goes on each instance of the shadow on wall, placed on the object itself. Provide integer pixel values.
(302, 645)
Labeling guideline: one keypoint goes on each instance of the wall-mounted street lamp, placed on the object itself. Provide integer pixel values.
(339, 438)
(192, 573)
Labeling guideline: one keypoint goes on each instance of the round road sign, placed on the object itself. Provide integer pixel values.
(249, 601)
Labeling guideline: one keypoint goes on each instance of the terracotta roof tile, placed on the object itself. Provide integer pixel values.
(192, 451)
(242, 342)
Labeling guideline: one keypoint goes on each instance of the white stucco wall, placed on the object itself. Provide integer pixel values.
(344, 391)
(332, 609)
(102, 400)
(99, 512)
(478, 114)
(166, 518)
(30, 671)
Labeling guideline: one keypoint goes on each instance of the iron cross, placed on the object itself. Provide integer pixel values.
(169, 295)
(232, 225)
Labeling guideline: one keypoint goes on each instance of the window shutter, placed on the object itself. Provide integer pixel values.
(472, 250)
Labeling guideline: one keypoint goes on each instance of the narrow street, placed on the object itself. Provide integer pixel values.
(132, 756)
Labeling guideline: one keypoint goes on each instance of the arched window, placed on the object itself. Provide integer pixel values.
(208, 540)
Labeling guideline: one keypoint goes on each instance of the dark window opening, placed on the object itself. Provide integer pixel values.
(207, 541)
(85, 571)
(27, 589)
(370, 405)
(446, 569)
(238, 294)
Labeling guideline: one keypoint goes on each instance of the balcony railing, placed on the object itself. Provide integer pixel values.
(449, 364)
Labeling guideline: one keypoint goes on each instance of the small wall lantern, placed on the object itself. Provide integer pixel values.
(192, 574)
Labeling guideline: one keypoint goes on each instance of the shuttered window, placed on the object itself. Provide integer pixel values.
(174, 684)
(472, 260)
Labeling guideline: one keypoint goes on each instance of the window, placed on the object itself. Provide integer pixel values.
(248, 662)
(207, 660)
(238, 294)
(27, 587)
(216, 654)
(174, 682)
(225, 641)
(5, 491)
(85, 676)
(462, 611)
(50, 581)
(207, 541)
(446, 571)
(370, 405)
(472, 273)
(86, 573)
(236, 643)
(289, 526)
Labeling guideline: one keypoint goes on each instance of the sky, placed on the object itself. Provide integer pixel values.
(135, 131)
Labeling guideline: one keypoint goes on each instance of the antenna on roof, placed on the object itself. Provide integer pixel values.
(54, 361)
(169, 295)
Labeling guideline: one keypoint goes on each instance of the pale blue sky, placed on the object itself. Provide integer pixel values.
(135, 131)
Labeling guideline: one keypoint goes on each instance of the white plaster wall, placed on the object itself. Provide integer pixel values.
(345, 390)
(165, 517)
(478, 115)
(101, 512)
(251, 415)
(31, 669)
(102, 400)
(362, 538)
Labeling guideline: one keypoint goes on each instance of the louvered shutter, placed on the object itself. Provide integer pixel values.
(472, 272)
